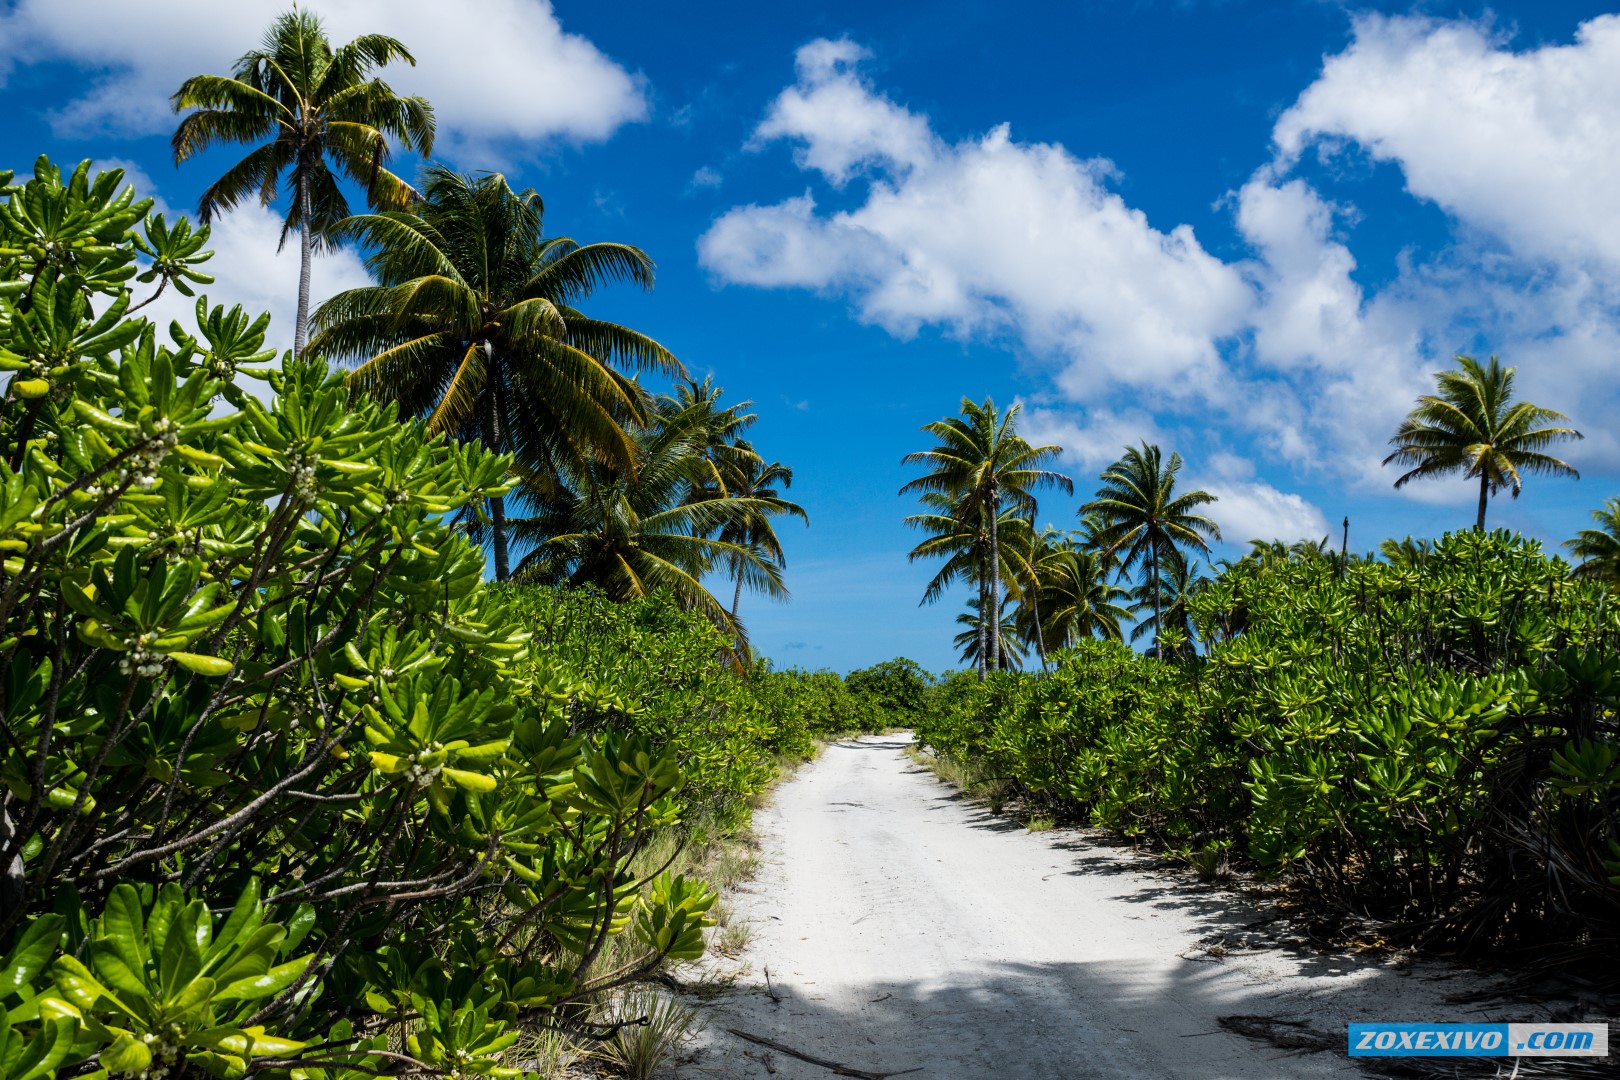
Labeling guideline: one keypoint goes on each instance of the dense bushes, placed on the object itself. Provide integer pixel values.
(283, 785)
(286, 788)
(1436, 744)
(667, 673)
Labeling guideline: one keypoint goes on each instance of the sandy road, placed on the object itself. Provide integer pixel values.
(904, 928)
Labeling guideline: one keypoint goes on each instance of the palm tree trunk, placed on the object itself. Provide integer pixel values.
(305, 250)
(492, 429)
(983, 604)
(736, 598)
(995, 577)
(1484, 494)
(1158, 603)
(1040, 633)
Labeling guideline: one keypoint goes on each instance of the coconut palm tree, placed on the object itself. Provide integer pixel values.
(1406, 553)
(984, 466)
(749, 476)
(472, 326)
(1176, 583)
(316, 115)
(1474, 427)
(1012, 654)
(963, 542)
(1272, 552)
(1074, 601)
(1143, 520)
(631, 529)
(1599, 548)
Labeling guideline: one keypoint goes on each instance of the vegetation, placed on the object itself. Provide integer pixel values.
(288, 787)
(1434, 745)
(472, 326)
(1599, 548)
(981, 471)
(664, 520)
(323, 118)
(1141, 519)
(1474, 426)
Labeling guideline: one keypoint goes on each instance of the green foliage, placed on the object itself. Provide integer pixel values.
(241, 643)
(1436, 742)
(1473, 426)
(653, 668)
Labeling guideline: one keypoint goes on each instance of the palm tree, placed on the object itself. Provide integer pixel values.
(1599, 548)
(1011, 656)
(316, 115)
(1271, 552)
(632, 529)
(748, 476)
(1473, 426)
(732, 468)
(1074, 599)
(964, 544)
(983, 465)
(471, 325)
(1406, 553)
(1143, 520)
(1175, 585)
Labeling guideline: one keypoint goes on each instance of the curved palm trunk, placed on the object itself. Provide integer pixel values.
(305, 250)
(492, 425)
(1040, 633)
(1484, 495)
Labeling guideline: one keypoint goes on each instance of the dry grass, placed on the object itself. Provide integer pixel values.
(993, 792)
(658, 1026)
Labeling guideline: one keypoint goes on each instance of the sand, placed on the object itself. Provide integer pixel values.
(903, 927)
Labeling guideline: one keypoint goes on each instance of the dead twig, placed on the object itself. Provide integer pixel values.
(834, 1067)
(776, 999)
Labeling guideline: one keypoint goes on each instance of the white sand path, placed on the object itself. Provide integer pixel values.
(905, 928)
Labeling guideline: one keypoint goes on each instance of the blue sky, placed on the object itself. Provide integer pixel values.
(1246, 230)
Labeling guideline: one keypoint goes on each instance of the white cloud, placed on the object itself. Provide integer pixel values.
(1286, 354)
(985, 237)
(841, 123)
(247, 268)
(495, 70)
(1254, 510)
(1092, 439)
(705, 177)
(1523, 144)
(1342, 370)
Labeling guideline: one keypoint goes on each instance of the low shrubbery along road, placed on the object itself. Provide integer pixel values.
(905, 928)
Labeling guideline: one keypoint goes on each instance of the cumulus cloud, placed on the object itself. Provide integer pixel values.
(985, 237)
(840, 123)
(1248, 508)
(497, 71)
(1092, 439)
(1285, 353)
(1520, 147)
(1525, 144)
(1254, 510)
(247, 268)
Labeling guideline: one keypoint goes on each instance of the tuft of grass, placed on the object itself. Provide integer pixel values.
(730, 939)
(545, 1053)
(1039, 823)
(1209, 862)
(639, 1049)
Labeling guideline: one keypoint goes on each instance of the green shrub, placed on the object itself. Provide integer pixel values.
(1435, 744)
(246, 667)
